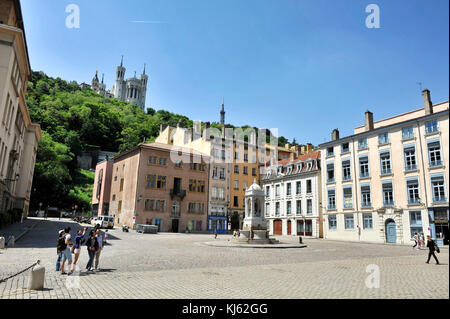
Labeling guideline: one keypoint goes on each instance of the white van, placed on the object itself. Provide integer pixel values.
(105, 221)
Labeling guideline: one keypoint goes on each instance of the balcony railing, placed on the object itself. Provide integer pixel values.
(175, 214)
(177, 193)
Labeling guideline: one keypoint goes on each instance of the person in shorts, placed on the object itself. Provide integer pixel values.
(77, 246)
(66, 254)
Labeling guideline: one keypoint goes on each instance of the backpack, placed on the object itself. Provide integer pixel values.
(437, 248)
(61, 244)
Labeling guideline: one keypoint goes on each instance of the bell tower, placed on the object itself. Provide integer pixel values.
(222, 113)
(119, 87)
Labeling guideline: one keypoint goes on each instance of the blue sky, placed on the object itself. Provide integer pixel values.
(304, 67)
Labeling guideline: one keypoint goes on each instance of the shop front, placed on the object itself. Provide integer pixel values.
(439, 224)
(218, 222)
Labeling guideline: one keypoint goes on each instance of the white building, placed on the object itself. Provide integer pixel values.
(292, 196)
(390, 179)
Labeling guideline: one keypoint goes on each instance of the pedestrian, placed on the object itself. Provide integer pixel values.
(422, 240)
(60, 247)
(432, 246)
(66, 253)
(234, 233)
(106, 237)
(91, 244)
(416, 240)
(77, 247)
(215, 233)
(239, 233)
(100, 242)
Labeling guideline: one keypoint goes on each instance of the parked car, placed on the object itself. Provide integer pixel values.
(105, 221)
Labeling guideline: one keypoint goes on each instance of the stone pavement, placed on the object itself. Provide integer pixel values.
(19, 229)
(183, 266)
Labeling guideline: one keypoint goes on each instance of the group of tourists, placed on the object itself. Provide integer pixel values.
(419, 242)
(66, 248)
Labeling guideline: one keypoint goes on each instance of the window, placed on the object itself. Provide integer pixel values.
(151, 181)
(348, 197)
(121, 184)
(214, 193)
(267, 190)
(201, 187)
(365, 196)
(383, 139)
(330, 173)
(288, 189)
(349, 222)
(254, 171)
(277, 190)
(245, 157)
(331, 199)
(330, 151)
(346, 173)
(388, 195)
(299, 207)
(221, 193)
(309, 186)
(245, 186)
(345, 148)
(223, 154)
(364, 166)
(179, 164)
(154, 205)
(298, 188)
(434, 153)
(267, 209)
(115, 178)
(215, 172)
(309, 207)
(367, 221)
(385, 159)
(431, 127)
(362, 143)
(288, 207)
(415, 222)
(236, 201)
(236, 155)
(410, 158)
(407, 132)
(277, 209)
(332, 222)
(413, 191)
(196, 207)
(236, 184)
(236, 169)
(222, 173)
(245, 170)
(114, 197)
(161, 183)
(192, 185)
(437, 186)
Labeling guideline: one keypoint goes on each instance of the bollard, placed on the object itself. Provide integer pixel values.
(2, 242)
(37, 278)
(300, 240)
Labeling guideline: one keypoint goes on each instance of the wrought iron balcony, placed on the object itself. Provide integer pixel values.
(177, 193)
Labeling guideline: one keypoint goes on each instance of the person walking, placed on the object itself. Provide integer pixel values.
(416, 240)
(77, 246)
(60, 247)
(91, 244)
(432, 246)
(422, 240)
(215, 233)
(99, 238)
(66, 254)
(106, 237)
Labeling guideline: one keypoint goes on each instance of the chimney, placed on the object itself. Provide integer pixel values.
(292, 156)
(335, 135)
(369, 121)
(287, 145)
(206, 130)
(309, 147)
(427, 101)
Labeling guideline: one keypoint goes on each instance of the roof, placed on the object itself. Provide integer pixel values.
(170, 147)
(301, 158)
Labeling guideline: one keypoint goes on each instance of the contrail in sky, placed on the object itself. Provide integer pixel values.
(149, 22)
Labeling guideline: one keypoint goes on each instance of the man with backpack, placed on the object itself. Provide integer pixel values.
(60, 247)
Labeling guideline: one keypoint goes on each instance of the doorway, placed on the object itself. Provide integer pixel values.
(391, 232)
(289, 227)
(277, 227)
(175, 223)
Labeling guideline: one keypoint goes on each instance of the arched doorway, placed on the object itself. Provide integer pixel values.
(391, 232)
(289, 227)
(277, 227)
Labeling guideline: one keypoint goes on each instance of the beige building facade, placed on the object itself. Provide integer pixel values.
(18, 135)
(101, 194)
(153, 185)
(390, 179)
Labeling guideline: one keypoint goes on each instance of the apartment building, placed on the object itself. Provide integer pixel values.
(292, 196)
(152, 184)
(18, 135)
(390, 179)
(101, 194)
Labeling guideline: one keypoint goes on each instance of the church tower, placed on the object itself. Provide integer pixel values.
(119, 87)
(222, 113)
(143, 93)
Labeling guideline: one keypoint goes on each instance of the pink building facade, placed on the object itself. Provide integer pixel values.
(102, 188)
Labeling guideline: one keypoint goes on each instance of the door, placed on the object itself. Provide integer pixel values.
(175, 225)
(391, 232)
(277, 227)
(300, 229)
(289, 227)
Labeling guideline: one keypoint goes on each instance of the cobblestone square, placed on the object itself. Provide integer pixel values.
(167, 266)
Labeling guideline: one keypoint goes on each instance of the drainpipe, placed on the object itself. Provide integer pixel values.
(423, 171)
(356, 189)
